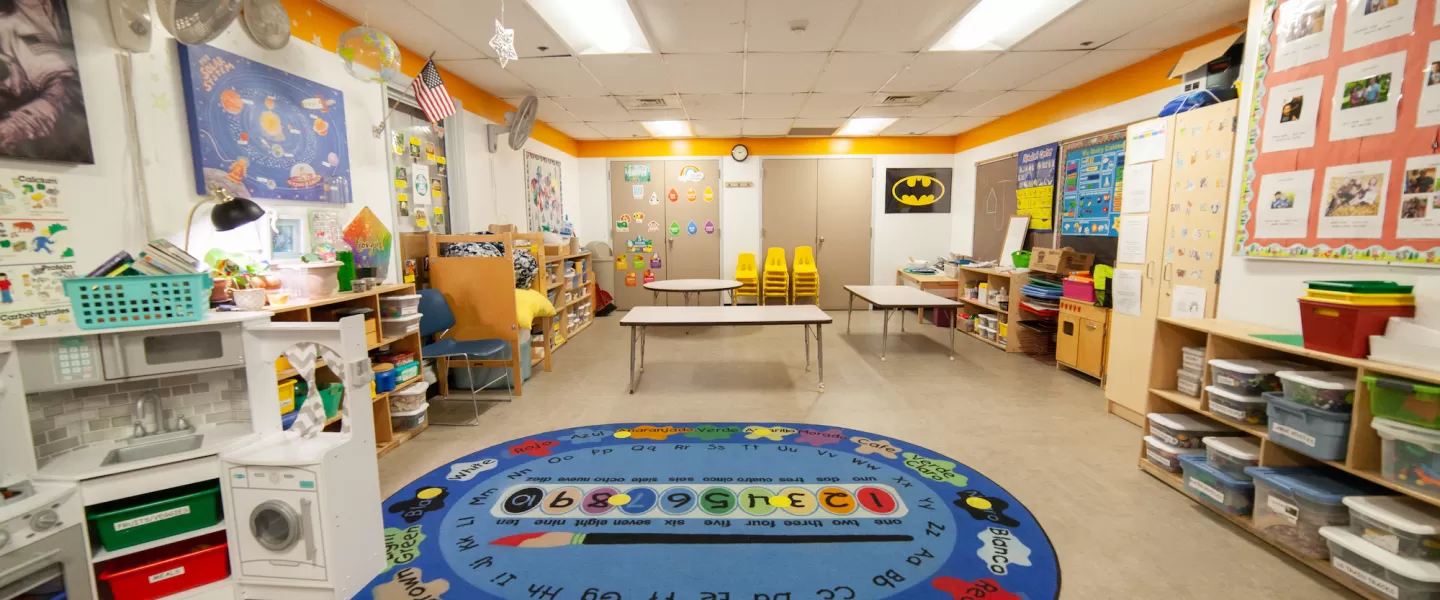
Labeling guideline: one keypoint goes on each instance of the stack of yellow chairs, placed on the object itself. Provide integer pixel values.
(807, 277)
(776, 283)
(748, 276)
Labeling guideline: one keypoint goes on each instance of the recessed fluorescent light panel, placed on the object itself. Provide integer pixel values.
(594, 26)
(668, 129)
(1000, 24)
(864, 126)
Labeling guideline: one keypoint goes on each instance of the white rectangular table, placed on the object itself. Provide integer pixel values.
(899, 297)
(641, 318)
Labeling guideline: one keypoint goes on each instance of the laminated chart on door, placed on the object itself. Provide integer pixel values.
(723, 511)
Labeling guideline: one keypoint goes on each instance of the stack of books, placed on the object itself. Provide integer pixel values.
(159, 257)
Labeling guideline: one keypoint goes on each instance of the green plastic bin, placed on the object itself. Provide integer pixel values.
(1404, 400)
(1021, 258)
(330, 395)
(157, 515)
(1360, 287)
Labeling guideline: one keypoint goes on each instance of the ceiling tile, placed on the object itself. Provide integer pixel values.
(777, 73)
(549, 112)
(860, 71)
(717, 127)
(658, 114)
(556, 76)
(409, 28)
(1088, 68)
(953, 104)
(773, 106)
(936, 71)
(713, 106)
(700, 26)
(829, 106)
(884, 111)
(1007, 103)
(600, 108)
(915, 125)
(632, 103)
(1183, 25)
(474, 20)
(1014, 69)
(769, 24)
(818, 122)
(620, 129)
(487, 75)
(765, 126)
(900, 25)
(1097, 22)
(706, 73)
(960, 125)
(579, 131)
(629, 74)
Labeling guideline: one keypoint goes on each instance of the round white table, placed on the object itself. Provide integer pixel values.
(694, 287)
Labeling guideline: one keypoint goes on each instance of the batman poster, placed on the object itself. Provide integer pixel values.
(912, 191)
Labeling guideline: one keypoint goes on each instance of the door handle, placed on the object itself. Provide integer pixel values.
(1169, 275)
(1147, 269)
(822, 241)
(1090, 327)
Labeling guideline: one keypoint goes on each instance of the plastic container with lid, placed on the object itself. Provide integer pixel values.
(1293, 503)
(1214, 487)
(1403, 526)
(1390, 575)
(1187, 383)
(1183, 431)
(1342, 328)
(409, 419)
(399, 306)
(409, 398)
(1164, 455)
(1249, 377)
(1409, 455)
(1316, 433)
(1238, 407)
(400, 327)
(1232, 454)
(1192, 358)
(1404, 400)
(310, 281)
(167, 570)
(1326, 390)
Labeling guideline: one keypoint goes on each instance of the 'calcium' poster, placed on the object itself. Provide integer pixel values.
(35, 251)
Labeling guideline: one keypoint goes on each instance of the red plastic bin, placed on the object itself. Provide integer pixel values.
(1083, 291)
(1345, 329)
(169, 569)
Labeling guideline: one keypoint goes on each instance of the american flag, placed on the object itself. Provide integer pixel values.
(430, 92)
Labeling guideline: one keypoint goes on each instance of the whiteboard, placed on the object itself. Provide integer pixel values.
(1014, 239)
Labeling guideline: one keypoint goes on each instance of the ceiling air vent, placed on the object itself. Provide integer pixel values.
(812, 131)
(644, 103)
(902, 100)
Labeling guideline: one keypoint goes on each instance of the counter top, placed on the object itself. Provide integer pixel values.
(70, 330)
(84, 463)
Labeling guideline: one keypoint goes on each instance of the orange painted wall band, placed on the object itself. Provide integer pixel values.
(766, 146)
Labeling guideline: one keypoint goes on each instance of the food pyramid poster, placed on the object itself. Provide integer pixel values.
(262, 133)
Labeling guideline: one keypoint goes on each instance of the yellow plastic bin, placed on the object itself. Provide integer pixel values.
(287, 396)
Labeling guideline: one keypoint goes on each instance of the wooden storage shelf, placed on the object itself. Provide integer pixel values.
(288, 373)
(994, 278)
(981, 338)
(1230, 340)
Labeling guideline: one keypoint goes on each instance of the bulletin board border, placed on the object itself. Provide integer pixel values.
(1376, 254)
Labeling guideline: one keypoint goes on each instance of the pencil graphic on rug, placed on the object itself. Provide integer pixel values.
(556, 539)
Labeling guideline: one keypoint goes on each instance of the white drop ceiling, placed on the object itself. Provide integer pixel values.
(735, 67)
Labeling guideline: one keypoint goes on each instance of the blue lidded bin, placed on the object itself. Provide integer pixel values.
(1212, 486)
(1293, 503)
(1311, 431)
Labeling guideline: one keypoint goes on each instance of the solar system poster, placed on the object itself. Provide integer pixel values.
(1091, 202)
(261, 133)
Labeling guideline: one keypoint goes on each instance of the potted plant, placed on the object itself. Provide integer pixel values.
(243, 280)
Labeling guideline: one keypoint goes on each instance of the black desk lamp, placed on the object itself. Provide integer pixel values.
(230, 213)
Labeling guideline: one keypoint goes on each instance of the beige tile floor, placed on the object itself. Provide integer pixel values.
(1042, 434)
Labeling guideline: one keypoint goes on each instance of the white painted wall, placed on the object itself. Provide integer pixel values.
(495, 183)
(1263, 291)
(895, 237)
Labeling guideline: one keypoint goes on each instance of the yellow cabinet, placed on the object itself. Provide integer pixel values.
(1080, 342)
(1067, 339)
(1092, 348)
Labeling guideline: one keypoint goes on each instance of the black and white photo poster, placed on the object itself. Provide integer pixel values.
(42, 108)
(1303, 32)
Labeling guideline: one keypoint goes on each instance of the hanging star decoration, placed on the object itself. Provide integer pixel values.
(504, 44)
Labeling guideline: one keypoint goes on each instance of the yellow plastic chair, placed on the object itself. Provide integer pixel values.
(776, 283)
(807, 276)
(749, 277)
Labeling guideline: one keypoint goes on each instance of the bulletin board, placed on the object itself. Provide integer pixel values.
(1091, 184)
(1342, 158)
(1099, 143)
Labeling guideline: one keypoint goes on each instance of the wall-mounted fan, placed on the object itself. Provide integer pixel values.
(131, 22)
(267, 22)
(195, 22)
(518, 122)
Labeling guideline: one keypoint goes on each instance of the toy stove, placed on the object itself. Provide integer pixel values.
(43, 552)
(13, 494)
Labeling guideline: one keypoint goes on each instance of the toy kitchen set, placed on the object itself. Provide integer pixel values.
(150, 462)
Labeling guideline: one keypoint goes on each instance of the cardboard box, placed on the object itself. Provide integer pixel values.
(1061, 261)
(502, 229)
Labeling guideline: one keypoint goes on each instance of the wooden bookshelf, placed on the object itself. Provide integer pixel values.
(1010, 315)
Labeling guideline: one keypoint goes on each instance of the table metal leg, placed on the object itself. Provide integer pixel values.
(633, 336)
(885, 331)
(644, 335)
(807, 348)
(902, 319)
(656, 299)
(954, 318)
(820, 354)
(849, 311)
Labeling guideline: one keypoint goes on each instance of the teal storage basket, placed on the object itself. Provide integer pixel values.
(111, 302)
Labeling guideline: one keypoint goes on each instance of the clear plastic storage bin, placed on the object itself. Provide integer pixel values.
(1409, 455)
(1213, 487)
(1232, 454)
(1293, 503)
(1188, 383)
(403, 326)
(1316, 433)
(1404, 400)
(1403, 526)
(1184, 431)
(1238, 407)
(1192, 358)
(1249, 377)
(1390, 575)
(392, 307)
(409, 419)
(1326, 390)
(1164, 455)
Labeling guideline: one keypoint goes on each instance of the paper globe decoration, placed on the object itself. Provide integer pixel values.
(369, 54)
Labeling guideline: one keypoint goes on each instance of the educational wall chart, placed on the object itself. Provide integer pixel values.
(1359, 183)
(262, 133)
(1090, 205)
(543, 203)
(1035, 186)
(35, 250)
(709, 512)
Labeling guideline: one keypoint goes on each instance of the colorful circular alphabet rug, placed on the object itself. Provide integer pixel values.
(723, 511)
